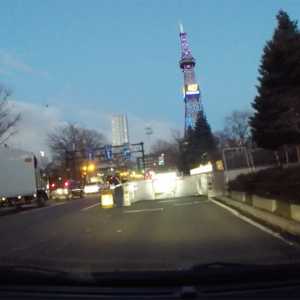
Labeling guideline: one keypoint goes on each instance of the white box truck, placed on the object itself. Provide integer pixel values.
(20, 180)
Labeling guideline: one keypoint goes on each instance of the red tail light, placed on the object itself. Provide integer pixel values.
(53, 185)
(66, 183)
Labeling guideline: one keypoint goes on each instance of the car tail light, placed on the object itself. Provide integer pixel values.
(53, 185)
(66, 183)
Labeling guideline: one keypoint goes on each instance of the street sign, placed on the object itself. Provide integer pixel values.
(126, 152)
(161, 160)
(90, 153)
(108, 151)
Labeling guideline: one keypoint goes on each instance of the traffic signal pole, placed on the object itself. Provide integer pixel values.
(135, 148)
(143, 157)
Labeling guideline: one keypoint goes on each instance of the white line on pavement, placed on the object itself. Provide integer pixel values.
(91, 206)
(261, 227)
(38, 209)
(167, 201)
(186, 203)
(142, 210)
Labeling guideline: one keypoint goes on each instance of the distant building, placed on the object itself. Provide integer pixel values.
(119, 127)
(151, 161)
(43, 160)
(163, 162)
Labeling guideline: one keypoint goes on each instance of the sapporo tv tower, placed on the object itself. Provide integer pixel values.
(191, 92)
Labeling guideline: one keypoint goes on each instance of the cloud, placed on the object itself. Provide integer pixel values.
(35, 123)
(5, 72)
(12, 61)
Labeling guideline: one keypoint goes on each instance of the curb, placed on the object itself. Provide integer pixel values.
(290, 226)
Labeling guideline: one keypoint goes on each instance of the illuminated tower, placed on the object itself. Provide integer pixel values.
(191, 92)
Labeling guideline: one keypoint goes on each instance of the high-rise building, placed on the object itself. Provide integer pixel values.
(119, 127)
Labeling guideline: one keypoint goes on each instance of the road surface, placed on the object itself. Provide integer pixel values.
(155, 235)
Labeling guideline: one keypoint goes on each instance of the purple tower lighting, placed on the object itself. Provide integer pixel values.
(191, 91)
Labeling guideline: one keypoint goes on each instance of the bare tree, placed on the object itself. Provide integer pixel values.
(159, 146)
(72, 137)
(121, 162)
(92, 138)
(177, 140)
(8, 121)
(237, 127)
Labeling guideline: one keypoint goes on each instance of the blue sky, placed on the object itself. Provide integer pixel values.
(90, 59)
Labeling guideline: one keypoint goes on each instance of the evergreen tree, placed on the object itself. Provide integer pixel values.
(201, 146)
(279, 87)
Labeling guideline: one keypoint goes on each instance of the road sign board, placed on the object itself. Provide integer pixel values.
(90, 153)
(108, 154)
(126, 152)
(161, 160)
(108, 151)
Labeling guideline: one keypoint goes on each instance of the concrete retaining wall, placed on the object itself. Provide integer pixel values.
(232, 174)
(295, 212)
(287, 225)
(239, 196)
(263, 203)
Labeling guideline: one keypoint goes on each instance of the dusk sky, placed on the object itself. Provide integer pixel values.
(88, 60)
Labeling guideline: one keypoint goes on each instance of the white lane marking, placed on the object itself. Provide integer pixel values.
(186, 203)
(261, 227)
(167, 201)
(38, 209)
(142, 210)
(91, 206)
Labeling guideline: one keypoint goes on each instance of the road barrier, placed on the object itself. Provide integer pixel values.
(163, 187)
(107, 200)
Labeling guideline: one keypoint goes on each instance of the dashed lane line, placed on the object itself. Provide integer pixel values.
(261, 227)
(91, 206)
(164, 201)
(142, 210)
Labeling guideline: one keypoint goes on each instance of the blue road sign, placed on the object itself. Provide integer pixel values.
(108, 154)
(126, 152)
(108, 151)
(90, 153)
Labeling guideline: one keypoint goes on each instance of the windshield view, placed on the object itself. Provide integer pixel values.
(149, 135)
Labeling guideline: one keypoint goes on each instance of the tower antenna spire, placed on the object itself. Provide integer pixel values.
(181, 28)
(191, 91)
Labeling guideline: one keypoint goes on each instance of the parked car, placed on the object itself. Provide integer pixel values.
(66, 190)
(94, 187)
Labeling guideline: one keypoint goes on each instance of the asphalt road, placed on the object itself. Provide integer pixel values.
(162, 234)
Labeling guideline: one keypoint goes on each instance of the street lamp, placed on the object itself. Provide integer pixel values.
(91, 167)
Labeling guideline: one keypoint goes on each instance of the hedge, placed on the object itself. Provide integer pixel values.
(274, 183)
